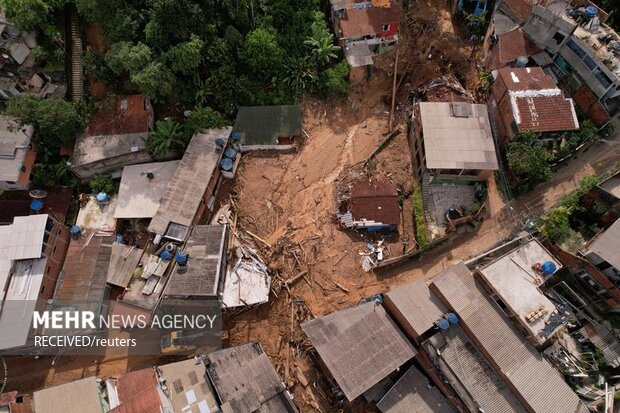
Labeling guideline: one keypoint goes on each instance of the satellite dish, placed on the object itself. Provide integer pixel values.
(37, 194)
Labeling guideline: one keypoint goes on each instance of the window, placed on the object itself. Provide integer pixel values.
(576, 48)
(603, 79)
(386, 27)
(589, 62)
(176, 231)
(42, 289)
(562, 65)
(558, 37)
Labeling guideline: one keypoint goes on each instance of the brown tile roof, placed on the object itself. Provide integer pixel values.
(370, 21)
(119, 115)
(530, 376)
(10, 399)
(86, 268)
(518, 9)
(360, 346)
(525, 78)
(376, 201)
(138, 393)
(510, 46)
(17, 204)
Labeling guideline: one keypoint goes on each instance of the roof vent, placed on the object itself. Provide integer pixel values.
(150, 176)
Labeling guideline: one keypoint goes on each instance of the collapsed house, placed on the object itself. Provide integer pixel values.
(17, 156)
(115, 137)
(365, 29)
(372, 206)
(528, 100)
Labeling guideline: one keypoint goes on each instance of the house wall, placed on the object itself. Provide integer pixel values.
(56, 243)
(210, 194)
(87, 171)
(416, 143)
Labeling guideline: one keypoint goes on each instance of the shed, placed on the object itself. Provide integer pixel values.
(268, 127)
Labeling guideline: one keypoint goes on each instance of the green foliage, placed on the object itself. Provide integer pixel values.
(336, 80)
(155, 80)
(185, 57)
(476, 24)
(52, 175)
(261, 52)
(555, 224)
(418, 217)
(529, 160)
(29, 14)
(167, 137)
(126, 57)
(103, 183)
(204, 118)
(301, 76)
(321, 42)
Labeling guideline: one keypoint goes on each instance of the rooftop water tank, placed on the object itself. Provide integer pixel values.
(75, 230)
(181, 258)
(452, 318)
(166, 255)
(230, 153)
(522, 61)
(226, 164)
(220, 142)
(549, 267)
(36, 205)
(102, 197)
(443, 324)
(236, 136)
(591, 11)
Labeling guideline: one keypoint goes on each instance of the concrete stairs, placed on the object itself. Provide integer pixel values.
(77, 62)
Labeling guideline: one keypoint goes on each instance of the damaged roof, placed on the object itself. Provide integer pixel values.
(359, 22)
(14, 145)
(375, 200)
(247, 382)
(414, 393)
(206, 247)
(457, 135)
(537, 103)
(360, 346)
(536, 381)
(510, 46)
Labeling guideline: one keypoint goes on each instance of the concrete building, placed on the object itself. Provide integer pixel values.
(528, 100)
(85, 395)
(16, 154)
(365, 29)
(32, 251)
(115, 137)
(604, 253)
(452, 140)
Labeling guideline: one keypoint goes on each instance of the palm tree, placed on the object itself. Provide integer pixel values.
(300, 76)
(321, 41)
(167, 136)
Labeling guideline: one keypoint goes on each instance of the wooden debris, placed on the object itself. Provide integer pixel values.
(256, 237)
(343, 288)
(295, 278)
(301, 377)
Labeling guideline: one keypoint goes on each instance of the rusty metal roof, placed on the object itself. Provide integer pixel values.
(376, 201)
(120, 115)
(137, 392)
(360, 346)
(529, 375)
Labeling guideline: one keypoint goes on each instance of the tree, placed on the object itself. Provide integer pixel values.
(171, 22)
(300, 76)
(555, 224)
(167, 137)
(321, 42)
(103, 183)
(261, 52)
(126, 57)
(29, 14)
(204, 118)
(155, 81)
(336, 80)
(52, 175)
(529, 161)
(185, 57)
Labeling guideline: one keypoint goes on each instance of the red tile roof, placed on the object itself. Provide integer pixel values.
(138, 393)
(370, 21)
(120, 115)
(376, 201)
(525, 78)
(510, 46)
(519, 9)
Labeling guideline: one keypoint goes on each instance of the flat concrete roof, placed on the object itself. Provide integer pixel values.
(190, 391)
(76, 396)
(607, 245)
(14, 143)
(457, 135)
(142, 187)
(516, 282)
(96, 216)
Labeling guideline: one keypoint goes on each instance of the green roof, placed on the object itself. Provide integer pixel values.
(263, 125)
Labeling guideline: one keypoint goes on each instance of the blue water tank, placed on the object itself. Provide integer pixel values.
(102, 197)
(230, 153)
(443, 324)
(549, 267)
(36, 205)
(226, 164)
(591, 11)
(452, 318)
(236, 136)
(181, 258)
(75, 230)
(165, 255)
(220, 142)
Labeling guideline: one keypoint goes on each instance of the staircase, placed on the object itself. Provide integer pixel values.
(426, 192)
(77, 63)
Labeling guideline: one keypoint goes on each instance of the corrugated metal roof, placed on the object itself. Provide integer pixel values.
(244, 377)
(360, 346)
(612, 185)
(188, 378)
(452, 142)
(206, 247)
(137, 392)
(607, 245)
(190, 182)
(262, 125)
(23, 239)
(375, 201)
(413, 393)
(417, 305)
(76, 396)
(539, 384)
(605, 340)
(123, 262)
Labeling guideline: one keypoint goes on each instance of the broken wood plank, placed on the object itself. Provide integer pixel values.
(295, 278)
(256, 237)
(342, 287)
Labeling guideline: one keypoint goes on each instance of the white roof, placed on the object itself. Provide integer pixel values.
(139, 196)
(76, 396)
(457, 136)
(247, 283)
(23, 239)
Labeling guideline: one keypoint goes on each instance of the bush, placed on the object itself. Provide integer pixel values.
(418, 217)
(555, 224)
(103, 183)
(336, 80)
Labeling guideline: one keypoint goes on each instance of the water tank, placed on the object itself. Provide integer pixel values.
(226, 164)
(220, 142)
(75, 230)
(591, 11)
(522, 61)
(102, 197)
(236, 136)
(36, 205)
(452, 318)
(181, 258)
(443, 324)
(230, 153)
(166, 255)
(549, 267)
